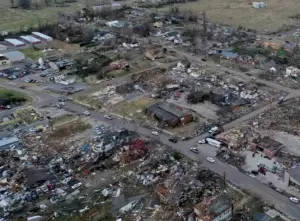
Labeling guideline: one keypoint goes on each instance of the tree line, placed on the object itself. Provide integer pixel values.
(35, 4)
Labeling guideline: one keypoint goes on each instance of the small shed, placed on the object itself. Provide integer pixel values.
(3, 47)
(14, 56)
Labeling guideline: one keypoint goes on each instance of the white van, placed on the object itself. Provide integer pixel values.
(213, 142)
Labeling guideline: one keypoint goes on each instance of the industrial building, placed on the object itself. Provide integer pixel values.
(170, 114)
(41, 36)
(30, 39)
(11, 57)
(14, 42)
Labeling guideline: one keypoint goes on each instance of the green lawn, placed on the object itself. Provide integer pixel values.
(13, 96)
(33, 53)
(63, 120)
(16, 19)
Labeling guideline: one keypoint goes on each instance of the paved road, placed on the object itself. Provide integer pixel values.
(39, 98)
(236, 177)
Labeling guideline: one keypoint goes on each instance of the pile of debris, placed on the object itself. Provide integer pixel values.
(285, 117)
(231, 157)
(235, 138)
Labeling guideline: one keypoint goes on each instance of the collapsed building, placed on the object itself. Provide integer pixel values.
(169, 114)
(268, 146)
(213, 208)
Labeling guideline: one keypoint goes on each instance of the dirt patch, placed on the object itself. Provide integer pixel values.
(133, 109)
(69, 129)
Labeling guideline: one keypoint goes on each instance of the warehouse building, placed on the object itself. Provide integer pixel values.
(11, 57)
(14, 42)
(30, 39)
(170, 114)
(41, 36)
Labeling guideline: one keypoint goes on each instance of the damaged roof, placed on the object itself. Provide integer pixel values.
(37, 176)
(270, 144)
(294, 172)
(214, 206)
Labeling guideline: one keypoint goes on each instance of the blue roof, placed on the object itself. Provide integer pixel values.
(8, 141)
(229, 54)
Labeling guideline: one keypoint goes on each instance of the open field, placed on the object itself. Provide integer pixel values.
(239, 12)
(133, 109)
(15, 19)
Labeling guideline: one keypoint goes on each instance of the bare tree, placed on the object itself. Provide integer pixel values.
(25, 4)
(12, 3)
(48, 2)
(204, 34)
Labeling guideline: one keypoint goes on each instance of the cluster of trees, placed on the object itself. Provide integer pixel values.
(97, 65)
(28, 4)
(8, 98)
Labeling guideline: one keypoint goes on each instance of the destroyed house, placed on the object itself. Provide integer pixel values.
(168, 194)
(36, 177)
(169, 114)
(218, 208)
(268, 146)
(8, 142)
(176, 189)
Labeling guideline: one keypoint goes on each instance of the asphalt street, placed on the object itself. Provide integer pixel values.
(237, 178)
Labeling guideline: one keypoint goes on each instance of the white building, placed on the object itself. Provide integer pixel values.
(30, 39)
(292, 71)
(14, 42)
(41, 36)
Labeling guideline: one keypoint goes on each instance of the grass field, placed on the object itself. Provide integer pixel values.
(32, 53)
(133, 109)
(239, 12)
(15, 19)
(230, 12)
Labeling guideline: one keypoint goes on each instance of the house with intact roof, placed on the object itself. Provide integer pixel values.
(169, 114)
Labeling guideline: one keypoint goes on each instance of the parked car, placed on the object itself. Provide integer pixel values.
(87, 113)
(108, 117)
(202, 141)
(210, 159)
(155, 133)
(194, 150)
(254, 172)
(294, 199)
(173, 139)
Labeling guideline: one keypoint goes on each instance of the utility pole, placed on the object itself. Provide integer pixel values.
(224, 180)
(204, 37)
